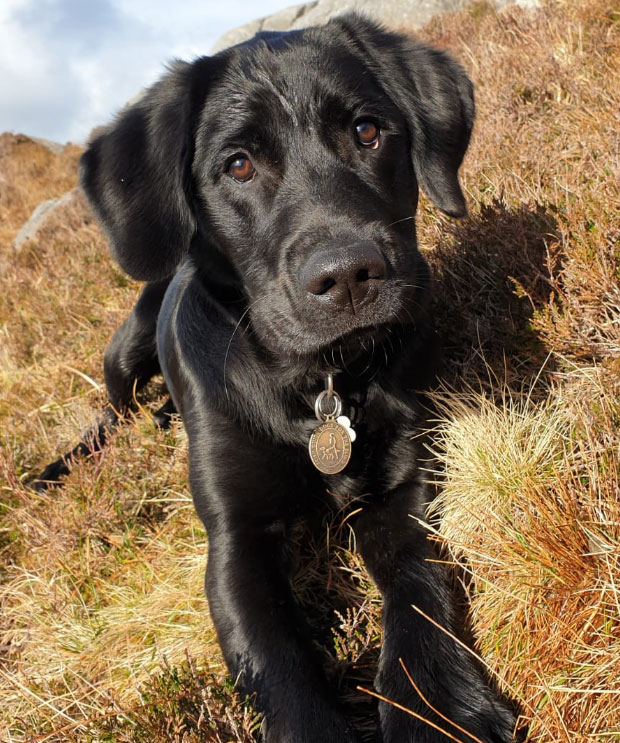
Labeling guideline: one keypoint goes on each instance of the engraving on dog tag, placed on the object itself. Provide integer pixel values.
(330, 447)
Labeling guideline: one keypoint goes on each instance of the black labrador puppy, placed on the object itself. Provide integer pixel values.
(267, 195)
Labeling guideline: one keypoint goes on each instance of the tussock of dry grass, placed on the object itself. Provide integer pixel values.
(105, 633)
(530, 511)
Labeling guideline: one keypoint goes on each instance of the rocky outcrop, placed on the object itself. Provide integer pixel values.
(32, 171)
(394, 13)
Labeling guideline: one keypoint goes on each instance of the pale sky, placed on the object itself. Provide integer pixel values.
(67, 66)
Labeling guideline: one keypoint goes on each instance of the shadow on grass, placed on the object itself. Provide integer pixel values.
(492, 272)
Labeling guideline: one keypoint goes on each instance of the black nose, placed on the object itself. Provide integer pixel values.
(344, 278)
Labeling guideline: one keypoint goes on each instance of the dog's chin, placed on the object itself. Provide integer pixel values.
(361, 351)
(349, 342)
(354, 345)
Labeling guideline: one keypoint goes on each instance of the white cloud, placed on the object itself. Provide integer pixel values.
(69, 65)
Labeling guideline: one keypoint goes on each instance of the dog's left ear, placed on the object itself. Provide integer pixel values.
(136, 173)
(437, 99)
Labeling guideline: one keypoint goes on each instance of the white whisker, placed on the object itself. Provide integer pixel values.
(248, 308)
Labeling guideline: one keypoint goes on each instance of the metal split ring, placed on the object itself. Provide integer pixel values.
(335, 413)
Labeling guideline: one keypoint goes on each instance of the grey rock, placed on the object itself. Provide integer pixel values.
(39, 217)
(392, 13)
(283, 20)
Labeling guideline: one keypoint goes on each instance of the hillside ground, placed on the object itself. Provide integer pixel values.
(104, 631)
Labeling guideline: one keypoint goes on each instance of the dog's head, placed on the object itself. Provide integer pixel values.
(288, 169)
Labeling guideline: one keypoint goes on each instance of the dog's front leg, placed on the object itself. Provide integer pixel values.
(403, 563)
(264, 647)
(247, 497)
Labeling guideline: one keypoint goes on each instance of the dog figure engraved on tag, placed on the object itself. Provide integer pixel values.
(330, 447)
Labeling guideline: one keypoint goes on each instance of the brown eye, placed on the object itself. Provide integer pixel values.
(367, 133)
(241, 169)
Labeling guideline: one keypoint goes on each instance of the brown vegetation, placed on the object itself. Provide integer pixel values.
(105, 633)
(530, 445)
(29, 174)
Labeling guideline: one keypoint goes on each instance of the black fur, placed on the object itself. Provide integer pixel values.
(251, 323)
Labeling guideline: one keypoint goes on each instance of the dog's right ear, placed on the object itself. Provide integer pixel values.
(434, 94)
(137, 173)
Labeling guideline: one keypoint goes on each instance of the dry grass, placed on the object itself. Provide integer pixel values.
(29, 174)
(543, 172)
(105, 634)
(530, 511)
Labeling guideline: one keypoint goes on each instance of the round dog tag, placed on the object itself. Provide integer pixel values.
(330, 447)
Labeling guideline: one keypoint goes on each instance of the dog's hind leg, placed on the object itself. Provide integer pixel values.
(130, 361)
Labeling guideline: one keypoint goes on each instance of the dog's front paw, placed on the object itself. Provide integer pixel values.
(467, 711)
(490, 724)
(488, 719)
(400, 727)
